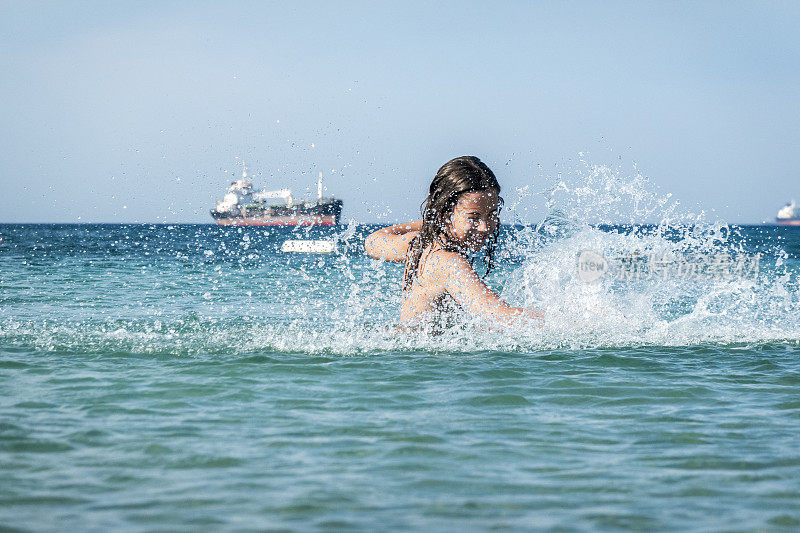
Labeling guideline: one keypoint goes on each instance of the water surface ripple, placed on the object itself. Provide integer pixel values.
(143, 388)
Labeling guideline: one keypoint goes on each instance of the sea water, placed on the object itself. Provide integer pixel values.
(194, 377)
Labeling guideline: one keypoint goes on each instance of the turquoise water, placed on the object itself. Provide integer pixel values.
(196, 378)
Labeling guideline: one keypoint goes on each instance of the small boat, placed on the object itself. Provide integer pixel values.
(789, 215)
(309, 246)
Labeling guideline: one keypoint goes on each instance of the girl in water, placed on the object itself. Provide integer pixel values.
(460, 219)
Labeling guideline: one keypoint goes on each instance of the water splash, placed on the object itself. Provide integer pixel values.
(189, 290)
(682, 279)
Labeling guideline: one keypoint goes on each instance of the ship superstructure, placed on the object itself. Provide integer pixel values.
(789, 215)
(245, 206)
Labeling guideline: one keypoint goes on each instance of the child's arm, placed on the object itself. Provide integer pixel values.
(469, 290)
(391, 244)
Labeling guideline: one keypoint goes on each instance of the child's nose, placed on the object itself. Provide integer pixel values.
(482, 225)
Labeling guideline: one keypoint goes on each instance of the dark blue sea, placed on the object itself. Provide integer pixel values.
(196, 378)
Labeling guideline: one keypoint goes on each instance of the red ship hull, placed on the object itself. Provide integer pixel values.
(313, 220)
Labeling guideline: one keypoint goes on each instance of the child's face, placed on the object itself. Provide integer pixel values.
(474, 218)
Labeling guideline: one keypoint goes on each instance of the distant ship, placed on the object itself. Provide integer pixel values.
(789, 215)
(243, 206)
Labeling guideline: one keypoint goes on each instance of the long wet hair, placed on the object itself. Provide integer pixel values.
(456, 177)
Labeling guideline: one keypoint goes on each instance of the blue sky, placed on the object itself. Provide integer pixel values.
(141, 111)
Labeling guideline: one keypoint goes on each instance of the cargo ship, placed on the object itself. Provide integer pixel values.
(789, 215)
(244, 206)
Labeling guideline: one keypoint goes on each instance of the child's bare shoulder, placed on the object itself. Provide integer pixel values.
(446, 263)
